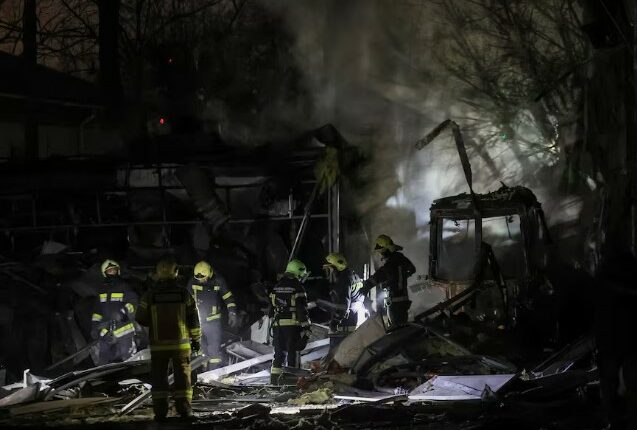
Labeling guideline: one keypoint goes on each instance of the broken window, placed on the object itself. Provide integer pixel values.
(504, 236)
(457, 249)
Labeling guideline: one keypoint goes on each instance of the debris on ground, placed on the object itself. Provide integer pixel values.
(318, 397)
(415, 375)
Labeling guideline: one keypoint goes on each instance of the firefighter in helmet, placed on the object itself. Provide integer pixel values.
(391, 280)
(210, 290)
(345, 293)
(113, 316)
(170, 312)
(289, 316)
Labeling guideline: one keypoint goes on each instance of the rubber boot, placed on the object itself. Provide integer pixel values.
(160, 408)
(183, 408)
(274, 379)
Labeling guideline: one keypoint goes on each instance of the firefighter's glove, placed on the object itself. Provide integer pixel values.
(195, 345)
(305, 336)
(107, 337)
(368, 284)
(125, 312)
(233, 320)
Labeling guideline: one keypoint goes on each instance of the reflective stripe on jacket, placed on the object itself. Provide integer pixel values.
(289, 303)
(114, 307)
(347, 289)
(210, 295)
(171, 314)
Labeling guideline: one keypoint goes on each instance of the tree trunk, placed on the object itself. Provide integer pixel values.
(610, 134)
(30, 57)
(109, 76)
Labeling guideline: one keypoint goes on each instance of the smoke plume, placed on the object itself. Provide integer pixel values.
(372, 69)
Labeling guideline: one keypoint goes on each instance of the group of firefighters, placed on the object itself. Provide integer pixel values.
(178, 318)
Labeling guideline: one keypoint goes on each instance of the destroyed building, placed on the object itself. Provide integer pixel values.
(281, 145)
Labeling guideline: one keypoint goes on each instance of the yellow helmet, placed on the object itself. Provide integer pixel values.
(297, 269)
(166, 269)
(203, 271)
(336, 260)
(109, 265)
(384, 242)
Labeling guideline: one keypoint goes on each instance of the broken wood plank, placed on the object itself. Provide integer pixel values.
(232, 400)
(380, 399)
(23, 395)
(63, 379)
(217, 374)
(54, 405)
(95, 373)
(77, 353)
(214, 375)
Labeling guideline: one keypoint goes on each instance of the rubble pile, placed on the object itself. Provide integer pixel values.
(407, 378)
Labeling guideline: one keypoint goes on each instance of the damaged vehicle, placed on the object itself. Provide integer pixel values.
(490, 261)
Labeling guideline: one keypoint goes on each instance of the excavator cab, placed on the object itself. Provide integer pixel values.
(486, 252)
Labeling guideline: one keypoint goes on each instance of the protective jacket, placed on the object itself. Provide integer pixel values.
(114, 309)
(171, 314)
(289, 303)
(290, 323)
(347, 292)
(392, 277)
(209, 296)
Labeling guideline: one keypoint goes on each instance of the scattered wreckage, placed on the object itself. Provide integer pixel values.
(459, 365)
(409, 376)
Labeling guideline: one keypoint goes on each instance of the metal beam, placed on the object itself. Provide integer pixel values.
(304, 222)
(150, 223)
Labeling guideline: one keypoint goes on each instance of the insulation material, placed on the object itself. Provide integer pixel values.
(353, 345)
(318, 397)
(259, 330)
(462, 387)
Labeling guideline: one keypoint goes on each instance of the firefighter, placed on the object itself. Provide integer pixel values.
(346, 293)
(391, 280)
(209, 290)
(113, 316)
(289, 316)
(170, 312)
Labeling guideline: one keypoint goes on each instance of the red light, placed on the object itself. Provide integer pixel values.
(162, 121)
(170, 60)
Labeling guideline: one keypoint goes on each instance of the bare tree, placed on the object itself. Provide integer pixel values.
(231, 59)
(521, 66)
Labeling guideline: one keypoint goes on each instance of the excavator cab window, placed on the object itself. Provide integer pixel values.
(457, 249)
(504, 235)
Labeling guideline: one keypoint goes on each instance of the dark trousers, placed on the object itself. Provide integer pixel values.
(182, 388)
(285, 341)
(112, 350)
(212, 342)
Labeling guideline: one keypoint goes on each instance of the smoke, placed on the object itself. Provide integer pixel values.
(372, 70)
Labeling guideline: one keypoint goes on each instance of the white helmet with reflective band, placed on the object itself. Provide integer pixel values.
(110, 268)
